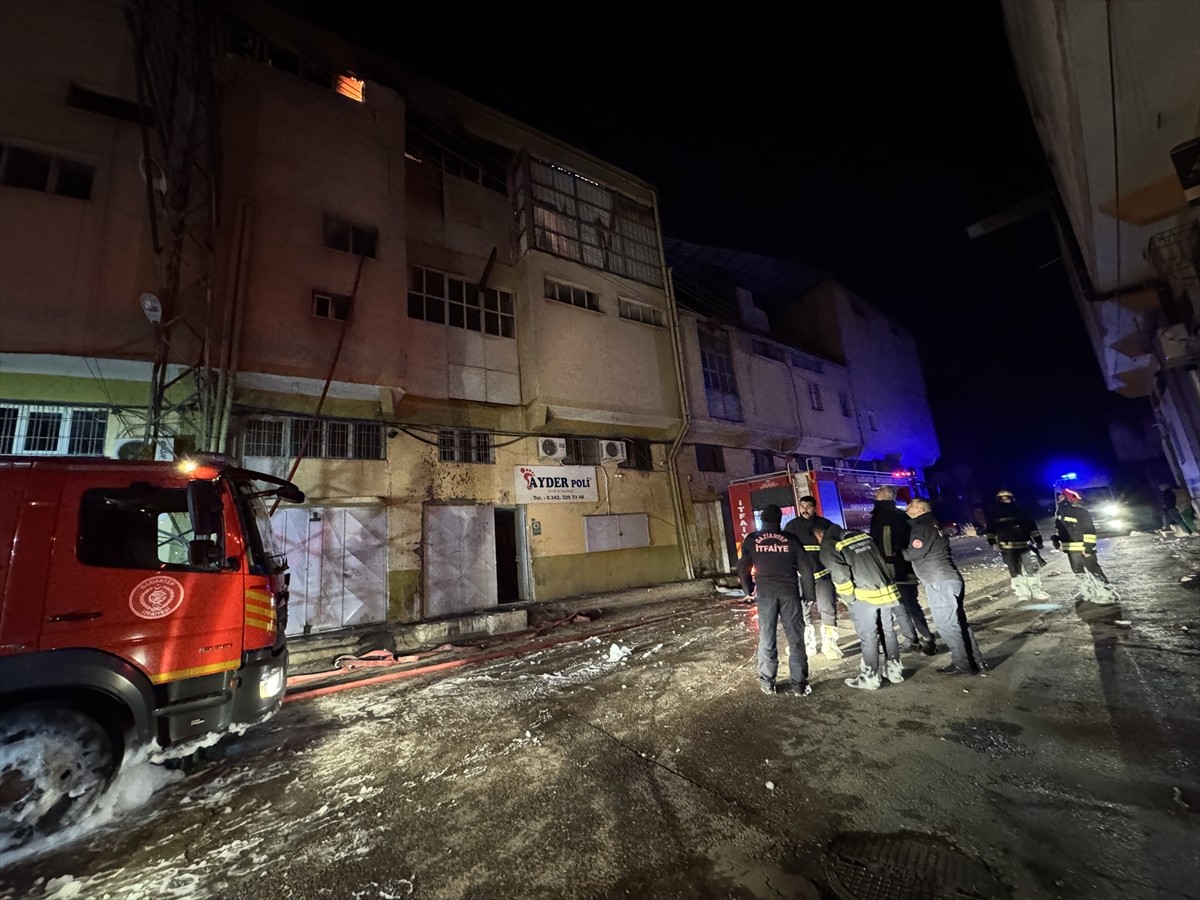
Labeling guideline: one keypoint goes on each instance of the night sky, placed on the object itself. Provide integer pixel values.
(861, 138)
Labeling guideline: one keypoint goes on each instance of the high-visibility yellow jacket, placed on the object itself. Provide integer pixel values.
(857, 567)
(1075, 528)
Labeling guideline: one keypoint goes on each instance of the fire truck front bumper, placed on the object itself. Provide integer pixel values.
(263, 677)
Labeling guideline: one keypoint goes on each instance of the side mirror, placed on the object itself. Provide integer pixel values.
(203, 552)
(204, 507)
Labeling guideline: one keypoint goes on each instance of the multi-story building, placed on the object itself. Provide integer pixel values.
(886, 379)
(821, 381)
(451, 330)
(1115, 96)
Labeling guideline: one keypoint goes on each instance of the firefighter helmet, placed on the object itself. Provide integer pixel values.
(1004, 494)
(1072, 496)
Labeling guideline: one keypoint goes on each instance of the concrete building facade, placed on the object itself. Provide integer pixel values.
(1114, 92)
(450, 329)
(812, 379)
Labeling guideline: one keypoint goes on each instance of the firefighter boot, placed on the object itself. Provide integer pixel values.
(866, 680)
(829, 639)
(1021, 587)
(1095, 590)
(1035, 587)
(810, 639)
(1083, 585)
(893, 671)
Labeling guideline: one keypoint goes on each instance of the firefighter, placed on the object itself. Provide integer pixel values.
(929, 552)
(889, 531)
(769, 569)
(860, 575)
(1075, 533)
(1015, 534)
(816, 588)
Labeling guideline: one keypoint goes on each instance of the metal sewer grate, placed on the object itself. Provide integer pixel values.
(864, 866)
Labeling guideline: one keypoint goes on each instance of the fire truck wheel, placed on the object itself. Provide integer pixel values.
(55, 763)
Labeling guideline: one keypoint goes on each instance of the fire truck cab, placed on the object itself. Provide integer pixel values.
(142, 604)
(845, 496)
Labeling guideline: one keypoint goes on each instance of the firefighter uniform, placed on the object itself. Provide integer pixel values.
(929, 552)
(1011, 530)
(816, 588)
(1075, 533)
(770, 566)
(890, 532)
(862, 578)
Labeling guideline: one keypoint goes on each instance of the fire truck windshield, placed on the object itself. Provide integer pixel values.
(265, 554)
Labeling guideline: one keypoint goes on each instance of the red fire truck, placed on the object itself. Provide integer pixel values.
(142, 604)
(844, 495)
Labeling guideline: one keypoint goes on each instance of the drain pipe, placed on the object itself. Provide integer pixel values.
(685, 543)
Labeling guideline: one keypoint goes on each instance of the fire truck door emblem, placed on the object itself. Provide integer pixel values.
(156, 597)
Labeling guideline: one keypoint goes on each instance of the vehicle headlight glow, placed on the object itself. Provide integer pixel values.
(271, 682)
(1110, 509)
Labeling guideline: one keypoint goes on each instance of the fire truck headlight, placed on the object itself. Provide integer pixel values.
(1110, 509)
(270, 682)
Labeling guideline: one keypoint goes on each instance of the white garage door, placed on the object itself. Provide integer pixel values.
(460, 559)
(337, 557)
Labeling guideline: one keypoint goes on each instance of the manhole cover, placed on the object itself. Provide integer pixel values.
(907, 867)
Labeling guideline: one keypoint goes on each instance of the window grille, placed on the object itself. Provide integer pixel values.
(41, 430)
(465, 445)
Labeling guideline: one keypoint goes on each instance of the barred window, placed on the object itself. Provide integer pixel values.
(295, 436)
(87, 432)
(263, 437)
(568, 293)
(465, 445)
(52, 430)
(437, 297)
(814, 396)
(844, 401)
(640, 312)
(582, 452)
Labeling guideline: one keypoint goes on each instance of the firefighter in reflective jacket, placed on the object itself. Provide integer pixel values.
(863, 579)
(1017, 536)
(816, 588)
(1075, 532)
(769, 569)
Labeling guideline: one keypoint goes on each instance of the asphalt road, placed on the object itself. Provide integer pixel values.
(579, 770)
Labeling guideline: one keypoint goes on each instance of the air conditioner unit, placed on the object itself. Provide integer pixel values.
(133, 450)
(612, 451)
(552, 448)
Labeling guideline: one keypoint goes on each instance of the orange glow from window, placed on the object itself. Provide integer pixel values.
(349, 86)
